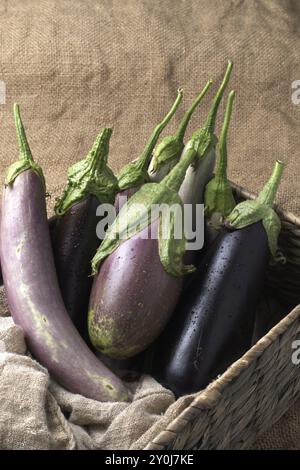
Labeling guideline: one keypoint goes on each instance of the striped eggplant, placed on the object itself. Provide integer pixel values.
(32, 289)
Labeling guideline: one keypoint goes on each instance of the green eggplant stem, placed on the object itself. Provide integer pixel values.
(268, 193)
(25, 161)
(221, 170)
(135, 173)
(188, 114)
(90, 176)
(218, 196)
(25, 152)
(147, 153)
(211, 118)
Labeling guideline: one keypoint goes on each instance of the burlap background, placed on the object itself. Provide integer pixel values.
(77, 65)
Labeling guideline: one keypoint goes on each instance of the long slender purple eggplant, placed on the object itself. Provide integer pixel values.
(90, 183)
(32, 289)
(201, 171)
(133, 175)
(136, 290)
(213, 322)
(52, 223)
(167, 153)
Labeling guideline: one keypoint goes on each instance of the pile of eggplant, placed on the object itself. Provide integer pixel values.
(93, 308)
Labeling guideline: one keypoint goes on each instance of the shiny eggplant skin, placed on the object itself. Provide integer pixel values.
(213, 322)
(121, 197)
(52, 224)
(132, 297)
(75, 243)
(34, 296)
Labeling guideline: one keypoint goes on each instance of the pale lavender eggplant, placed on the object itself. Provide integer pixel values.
(144, 284)
(34, 297)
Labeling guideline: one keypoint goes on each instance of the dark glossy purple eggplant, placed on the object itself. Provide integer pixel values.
(75, 241)
(75, 244)
(213, 323)
(32, 289)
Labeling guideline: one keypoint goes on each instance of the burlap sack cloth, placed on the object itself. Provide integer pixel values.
(77, 65)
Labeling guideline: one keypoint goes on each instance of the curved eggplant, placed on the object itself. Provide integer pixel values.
(52, 224)
(213, 323)
(32, 289)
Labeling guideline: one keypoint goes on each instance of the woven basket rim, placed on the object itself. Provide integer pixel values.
(208, 397)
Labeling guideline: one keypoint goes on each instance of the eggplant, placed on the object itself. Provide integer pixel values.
(167, 153)
(32, 289)
(140, 276)
(213, 322)
(90, 184)
(201, 170)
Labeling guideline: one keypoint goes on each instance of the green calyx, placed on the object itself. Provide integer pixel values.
(90, 176)
(168, 151)
(25, 161)
(142, 209)
(218, 196)
(260, 209)
(207, 131)
(135, 173)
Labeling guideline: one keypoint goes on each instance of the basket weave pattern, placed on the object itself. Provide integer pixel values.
(258, 388)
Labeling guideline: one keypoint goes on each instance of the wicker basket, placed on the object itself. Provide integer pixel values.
(258, 388)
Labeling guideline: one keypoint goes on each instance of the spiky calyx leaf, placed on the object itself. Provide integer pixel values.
(260, 209)
(25, 161)
(90, 176)
(137, 214)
